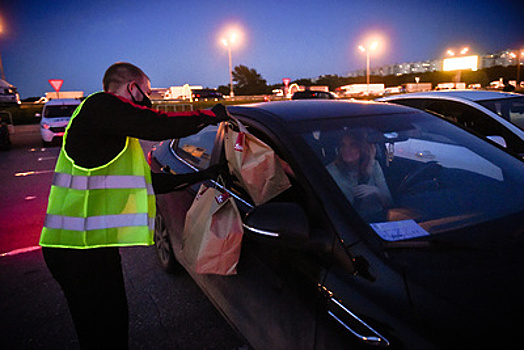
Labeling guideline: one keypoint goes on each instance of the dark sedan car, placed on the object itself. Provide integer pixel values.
(310, 94)
(439, 263)
(206, 95)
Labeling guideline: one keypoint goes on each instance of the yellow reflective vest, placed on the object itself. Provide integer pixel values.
(111, 205)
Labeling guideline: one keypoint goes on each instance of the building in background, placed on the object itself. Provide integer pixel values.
(503, 58)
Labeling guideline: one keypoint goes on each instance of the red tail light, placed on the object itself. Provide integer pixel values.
(150, 157)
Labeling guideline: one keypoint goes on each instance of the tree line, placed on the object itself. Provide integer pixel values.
(247, 81)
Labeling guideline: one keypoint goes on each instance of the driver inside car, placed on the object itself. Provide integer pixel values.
(360, 176)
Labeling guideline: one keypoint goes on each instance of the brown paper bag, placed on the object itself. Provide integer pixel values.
(213, 232)
(255, 164)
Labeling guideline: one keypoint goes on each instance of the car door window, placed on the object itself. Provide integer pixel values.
(416, 103)
(511, 109)
(197, 149)
(474, 119)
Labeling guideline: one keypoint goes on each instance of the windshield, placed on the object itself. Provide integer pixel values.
(511, 109)
(59, 111)
(414, 175)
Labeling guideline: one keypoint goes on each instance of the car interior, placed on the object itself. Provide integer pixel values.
(424, 189)
(436, 196)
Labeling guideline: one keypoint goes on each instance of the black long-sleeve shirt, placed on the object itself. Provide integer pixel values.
(99, 131)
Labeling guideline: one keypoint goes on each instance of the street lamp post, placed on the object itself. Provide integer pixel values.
(367, 50)
(1, 65)
(227, 43)
(2, 68)
(518, 68)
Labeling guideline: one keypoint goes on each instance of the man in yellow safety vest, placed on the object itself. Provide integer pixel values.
(102, 198)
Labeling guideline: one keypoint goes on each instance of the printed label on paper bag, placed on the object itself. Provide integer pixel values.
(239, 144)
(221, 198)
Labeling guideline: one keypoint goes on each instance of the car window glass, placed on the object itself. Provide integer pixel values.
(425, 176)
(511, 109)
(59, 111)
(416, 103)
(196, 149)
(466, 116)
(476, 120)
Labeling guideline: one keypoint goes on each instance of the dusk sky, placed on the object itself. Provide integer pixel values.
(178, 42)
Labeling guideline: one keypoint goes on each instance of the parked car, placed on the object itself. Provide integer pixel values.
(309, 94)
(206, 95)
(496, 115)
(8, 94)
(441, 266)
(55, 117)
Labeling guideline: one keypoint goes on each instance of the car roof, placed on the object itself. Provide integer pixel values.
(470, 95)
(314, 109)
(63, 101)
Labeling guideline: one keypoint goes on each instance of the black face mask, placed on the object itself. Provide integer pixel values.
(146, 102)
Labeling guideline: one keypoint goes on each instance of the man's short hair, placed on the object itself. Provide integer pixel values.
(122, 73)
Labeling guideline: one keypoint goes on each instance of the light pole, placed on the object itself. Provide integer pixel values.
(227, 43)
(372, 46)
(518, 68)
(1, 65)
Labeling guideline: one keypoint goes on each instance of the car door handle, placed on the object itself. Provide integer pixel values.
(354, 324)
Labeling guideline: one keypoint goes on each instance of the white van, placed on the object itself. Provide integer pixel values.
(8, 94)
(55, 117)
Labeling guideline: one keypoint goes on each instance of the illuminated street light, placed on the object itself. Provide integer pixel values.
(1, 65)
(227, 43)
(372, 47)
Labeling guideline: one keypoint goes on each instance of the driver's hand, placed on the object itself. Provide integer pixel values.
(362, 191)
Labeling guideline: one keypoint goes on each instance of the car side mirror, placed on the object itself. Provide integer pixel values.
(498, 139)
(279, 222)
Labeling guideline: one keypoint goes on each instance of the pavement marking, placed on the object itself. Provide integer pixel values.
(21, 251)
(29, 173)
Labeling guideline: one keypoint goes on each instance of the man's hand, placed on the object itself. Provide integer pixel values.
(221, 113)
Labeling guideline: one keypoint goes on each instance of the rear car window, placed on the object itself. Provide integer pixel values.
(197, 149)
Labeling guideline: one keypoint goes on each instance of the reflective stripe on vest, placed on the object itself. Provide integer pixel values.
(101, 182)
(98, 222)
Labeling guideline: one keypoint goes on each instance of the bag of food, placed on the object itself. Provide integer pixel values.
(255, 165)
(213, 233)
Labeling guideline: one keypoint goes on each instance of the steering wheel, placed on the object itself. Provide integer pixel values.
(427, 173)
